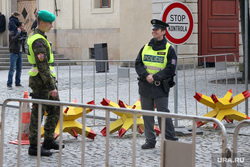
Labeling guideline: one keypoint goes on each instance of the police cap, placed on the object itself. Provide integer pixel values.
(46, 16)
(156, 24)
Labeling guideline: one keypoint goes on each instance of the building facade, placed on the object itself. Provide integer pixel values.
(125, 25)
(80, 24)
(216, 27)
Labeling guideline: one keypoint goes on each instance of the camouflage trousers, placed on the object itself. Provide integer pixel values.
(52, 117)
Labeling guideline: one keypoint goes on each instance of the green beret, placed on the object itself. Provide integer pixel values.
(46, 16)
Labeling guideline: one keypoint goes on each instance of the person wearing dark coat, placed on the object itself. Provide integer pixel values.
(13, 20)
(34, 25)
(2, 23)
(16, 47)
(155, 66)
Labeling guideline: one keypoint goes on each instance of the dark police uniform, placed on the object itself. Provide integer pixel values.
(42, 81)
(159, 58)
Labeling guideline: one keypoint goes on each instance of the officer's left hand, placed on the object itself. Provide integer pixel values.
(53, 93)
(150, 78)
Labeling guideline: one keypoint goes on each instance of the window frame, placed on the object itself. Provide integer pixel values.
(101, 9)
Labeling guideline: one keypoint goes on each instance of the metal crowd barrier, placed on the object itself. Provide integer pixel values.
(221, 66)
(181, 92)
(107, 109)
(90, 65)
(235, 140)
(93, 84)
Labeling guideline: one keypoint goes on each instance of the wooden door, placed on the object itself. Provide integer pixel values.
(218, 28)
(27, 9)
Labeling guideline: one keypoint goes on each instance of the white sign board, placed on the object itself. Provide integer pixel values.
(180, 20)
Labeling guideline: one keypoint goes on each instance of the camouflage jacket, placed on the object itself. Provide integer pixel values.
(44, 79)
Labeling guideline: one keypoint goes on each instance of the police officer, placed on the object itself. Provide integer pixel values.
(155, 63)
(43, 84)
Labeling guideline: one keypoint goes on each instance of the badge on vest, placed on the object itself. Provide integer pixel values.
(40, 56)
(161, 53)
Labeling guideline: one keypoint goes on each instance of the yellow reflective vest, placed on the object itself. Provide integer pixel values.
(31, 56)
(154, 61)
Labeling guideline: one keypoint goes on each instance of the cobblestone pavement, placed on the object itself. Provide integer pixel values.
(208, 144)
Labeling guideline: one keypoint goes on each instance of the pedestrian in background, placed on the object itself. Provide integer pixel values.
(155, 66)
(13, 20)
(23, 38)
(2, 23)
(43, 84)
(34, 24)
(16, 47)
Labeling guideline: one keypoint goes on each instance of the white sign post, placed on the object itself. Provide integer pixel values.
(181, 23)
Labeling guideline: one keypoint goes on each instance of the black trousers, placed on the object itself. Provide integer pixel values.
(161, 104)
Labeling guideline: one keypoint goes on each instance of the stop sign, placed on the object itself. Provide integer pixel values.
(180, 21)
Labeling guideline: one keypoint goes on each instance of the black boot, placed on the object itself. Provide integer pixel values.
(174, 139)
(33, 151)
(51, 144)
(148, 145)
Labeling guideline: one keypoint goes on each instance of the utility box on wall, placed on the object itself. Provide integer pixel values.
(101, 53)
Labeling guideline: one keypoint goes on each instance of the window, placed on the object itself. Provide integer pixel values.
(91, 53)
(102, 3)
(105, 3)
(102, 6)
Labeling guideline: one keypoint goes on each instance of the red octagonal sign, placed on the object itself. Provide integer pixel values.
(180, 21)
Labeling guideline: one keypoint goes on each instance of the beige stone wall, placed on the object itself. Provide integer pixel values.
(81, 14)
(75, 44)
(125, 27)
(135, 27)
(79, 26)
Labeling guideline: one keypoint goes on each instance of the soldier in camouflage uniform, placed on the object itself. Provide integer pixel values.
(43, 84)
